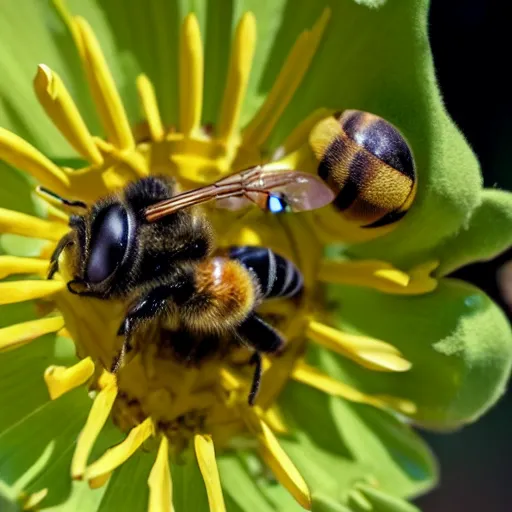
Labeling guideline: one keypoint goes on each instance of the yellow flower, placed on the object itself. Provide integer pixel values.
(156, 401)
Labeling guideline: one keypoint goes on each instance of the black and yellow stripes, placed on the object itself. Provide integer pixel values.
(368, 164)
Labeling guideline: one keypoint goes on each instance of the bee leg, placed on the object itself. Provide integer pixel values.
(263, 338)
(147, 306)
(260, 335)
(54, 260)
(256, 379)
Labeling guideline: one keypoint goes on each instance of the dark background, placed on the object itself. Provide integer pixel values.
(472, 50)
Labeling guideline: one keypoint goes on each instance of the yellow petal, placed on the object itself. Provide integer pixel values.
(120, 453)
(191, 76)
(368, 352)
(205, 454)
(242, 53)
(61, 109)
(150, 107)
(18, 335)
(19, 291)
(287, 82)
(103, 89)
(276, 459)
(98, 415)
(380, 275)
(32, 501)
(21, 224)
(61, 379)
(318, 380)
(159, 481)
(20, 154)
(10, 265)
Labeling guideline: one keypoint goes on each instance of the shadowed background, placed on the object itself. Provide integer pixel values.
(470, 39)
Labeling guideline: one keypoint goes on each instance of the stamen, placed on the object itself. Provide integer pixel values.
(20, 154)
(32, 501)
(277, 460)
(191, 76)
(104, 92)
(318, 380)
(18, 223)
(150, 107)
(368, 352)
(98, 415)
(287, 83)
(242, 53)
(20, 291)
(61, 379)
(205, 454)
(160, 482)
(18, 335)
(61, 109)
(120, 453)
(380, 275)
(10, 265)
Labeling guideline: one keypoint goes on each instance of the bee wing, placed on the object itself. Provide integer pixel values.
(298, 190)
(303, 191)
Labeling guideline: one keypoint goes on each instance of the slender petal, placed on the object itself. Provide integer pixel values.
(20, 154)
(19, 291)
(316, 379)
(106, 97)
(205, 454)
(240, 64)
(287, 82)
(115, 456)
(277, 460)
(10, 265)
(159, 481)
(191, 76)
(61, 109)
(380, 275)
(17, 335)
(25, 225)
(98, 415)
(368, 352)
(61, 379)
(150, 107)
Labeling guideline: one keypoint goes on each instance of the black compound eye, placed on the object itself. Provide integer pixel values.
(109, 241)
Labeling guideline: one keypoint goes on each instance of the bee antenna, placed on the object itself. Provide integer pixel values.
(45, 193)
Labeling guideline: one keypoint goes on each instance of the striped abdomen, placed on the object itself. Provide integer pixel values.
(277, 276)
(368, 164)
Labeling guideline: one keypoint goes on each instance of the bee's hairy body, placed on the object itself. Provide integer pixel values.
(169, 275)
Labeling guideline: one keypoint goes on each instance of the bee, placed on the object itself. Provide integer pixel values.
(368, 164)
(150, 247)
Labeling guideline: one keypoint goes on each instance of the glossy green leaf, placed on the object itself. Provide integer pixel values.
(489, 232)
(381, 502)
(188, 489)
(459, 341)
(336, 444)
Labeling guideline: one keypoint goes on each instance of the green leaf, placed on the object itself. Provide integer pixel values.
(240, 485)
(382, 502)
(336, 444)
(488, 233)
(458, 340)
(127, 488)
